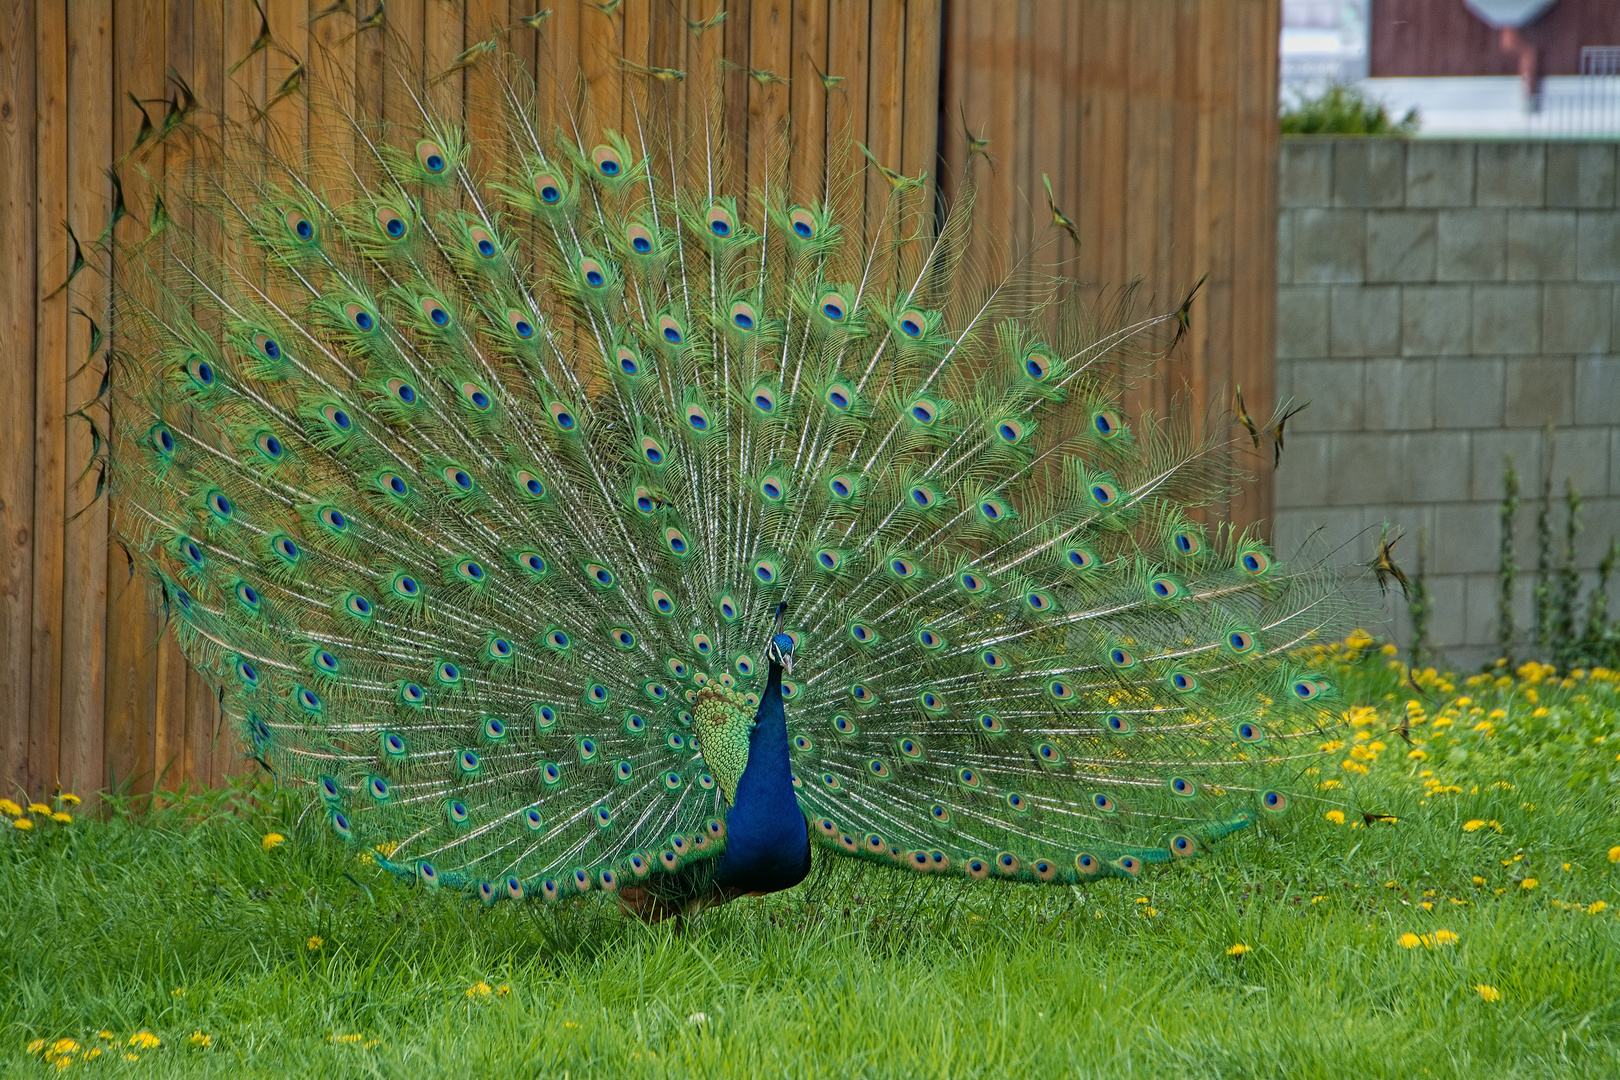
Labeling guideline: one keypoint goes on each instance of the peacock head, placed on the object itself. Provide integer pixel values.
(780, 651)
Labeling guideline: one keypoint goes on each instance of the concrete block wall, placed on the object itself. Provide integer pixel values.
(1439, 303)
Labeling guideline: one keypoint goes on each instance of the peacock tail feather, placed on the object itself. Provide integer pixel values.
(474, 469)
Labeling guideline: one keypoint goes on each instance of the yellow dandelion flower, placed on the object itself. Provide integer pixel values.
(1418, 754)
(1474, 825)
(314, 943)
(63, 1046)
(346, 1038)
(70, 799)
(479, 989)
(1566, 868)
(145, 1040)
(36, 1046)
(1479, 880)
(572, 1024)
(1335, 817)
(503, 990)
(1427, 905)
(9, 807)
(1529, 883)
(22, 823)
(1614, 853)
(1237, 950)
(1489, 993)
(1409, 940)
(197, 1038)
(105, 1034)
(1445, 937)
(1596, 907)
(272, 840)
(65, 819)
(1318, 899)
(1388, 649)
(132, 1057)
(93, 1052)
(38, 808)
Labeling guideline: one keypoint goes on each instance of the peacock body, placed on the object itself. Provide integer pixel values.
(568, 525)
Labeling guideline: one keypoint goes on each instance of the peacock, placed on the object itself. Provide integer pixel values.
(562, 523)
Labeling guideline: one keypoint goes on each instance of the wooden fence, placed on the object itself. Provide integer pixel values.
(1155, 121)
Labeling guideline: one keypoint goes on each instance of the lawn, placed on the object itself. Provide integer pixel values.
(1475, 935)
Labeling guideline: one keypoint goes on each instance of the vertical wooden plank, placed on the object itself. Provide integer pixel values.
(84, 543)
(334, 93)
(18, 273)
(444, 29)
(701, 119)
(1048, 110)
(885, 91)
(139, 60)
(846, 113)
(770, 27)
(173, 672)
(638, 32)
(1022, 83)
(996, 53)
(919, 143)
(808, 105)
(50, 392)
(953, 96)
(599, 36)
(734, 114)
(1254, 222)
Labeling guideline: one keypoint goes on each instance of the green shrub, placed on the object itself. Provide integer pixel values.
(1343, 110)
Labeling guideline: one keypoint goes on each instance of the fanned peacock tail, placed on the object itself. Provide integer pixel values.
(477, 473)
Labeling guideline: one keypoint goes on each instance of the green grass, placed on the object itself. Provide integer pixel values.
(183, 923)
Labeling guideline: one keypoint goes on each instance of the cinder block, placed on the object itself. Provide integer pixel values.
(1581, 457)
(1445, 611)
(1435, 320)
(1301, 478)
(1541, 245)
(1328, 246)
(1472, 245)
(1507, 319)
(1597, 395)
(1435, 467)
(1440, 174)
(1539, 390)
(1511, 174)
(1285, 247)
(1313, 531)
(1302, 321)
(1482, 594)
(1364, 468)
(1597, 243)
(1580, 176)
(1365, 320)
(1491, 448)
(1369, 172)
(1467, 534)
(1401, 245)
(1602, 520)
(1614, 461)
(1577, 318)
(1468, 392)
(1334, 389)
(1305, 172)
(1399, 395)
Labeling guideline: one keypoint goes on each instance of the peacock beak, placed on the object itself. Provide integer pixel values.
(787, 663)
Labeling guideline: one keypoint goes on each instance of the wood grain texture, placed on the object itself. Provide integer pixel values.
(1154, 122)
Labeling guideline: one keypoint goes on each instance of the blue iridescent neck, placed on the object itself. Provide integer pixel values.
(767, 840)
